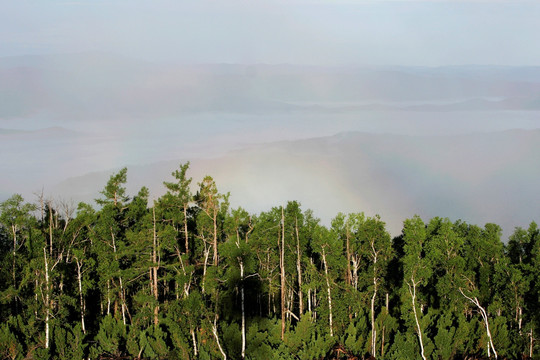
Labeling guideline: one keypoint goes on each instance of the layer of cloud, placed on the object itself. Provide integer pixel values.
(302, 32)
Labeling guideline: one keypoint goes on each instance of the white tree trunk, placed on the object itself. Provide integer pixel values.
(194, 339)
(123, 301)
(373, 329)
(216, 260)
(47, 299)
(355, 272)
(309, 300)
(282, 273)
(486, 323)
(531, 344)
(108, 298)
(412, 291)
(14, 231)
(214, 331)
(329, 293)
(374, 255)
(299, 271)
(243, 310)
(155, 268)
(186, 230)
(348, 253)
(81, 299)
(206, 255)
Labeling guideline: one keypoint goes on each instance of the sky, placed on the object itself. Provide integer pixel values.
(318, 32)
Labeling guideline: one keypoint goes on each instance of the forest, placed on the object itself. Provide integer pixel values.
(186, 276)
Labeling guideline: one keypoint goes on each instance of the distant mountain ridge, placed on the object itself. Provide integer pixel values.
(489, 177)
(98, 84)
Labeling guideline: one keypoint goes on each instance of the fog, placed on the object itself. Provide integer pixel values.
(388, 107)
(389, 141)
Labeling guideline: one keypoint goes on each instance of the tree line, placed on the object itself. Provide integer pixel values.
(186, 276)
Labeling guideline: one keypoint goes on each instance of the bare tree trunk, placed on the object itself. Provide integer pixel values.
(47, 299)
(50, 229)
(374, 255)
(155, 269)
(186, 237)
(315, 304)
(282, 272)
(347, 239)
(81, 298)
(214, 331)
(373, 329)
(412, 291)
(123, 301)
(108, 298)
(215, 238)
(309, 300)
(355, 272)
(329, 294)
(243, 309)
(194, 340)
(531, 344)
(36, 293)
(299, 271)
(206, 255)
(348, 277)
(14, 271)
(486, 323)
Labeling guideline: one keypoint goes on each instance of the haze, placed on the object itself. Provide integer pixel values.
(316, 32)
(388, 107)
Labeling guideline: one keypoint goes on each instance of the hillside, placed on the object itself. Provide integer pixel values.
(482, 177)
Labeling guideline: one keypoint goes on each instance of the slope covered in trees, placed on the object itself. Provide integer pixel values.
(186, 276)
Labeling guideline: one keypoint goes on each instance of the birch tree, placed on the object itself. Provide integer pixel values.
(416, 271)
(378, 250)
(16, 218)
(328, 246)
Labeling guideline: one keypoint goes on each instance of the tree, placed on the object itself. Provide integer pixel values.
(486, 250)
(328, 246)
(16, 218)
(443, 250)
(110, 231)
(238, 253)
(378, 250)
(416, 271)
(177, 201)
(523, 251)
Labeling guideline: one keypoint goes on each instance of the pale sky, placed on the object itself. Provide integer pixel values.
(318, 32)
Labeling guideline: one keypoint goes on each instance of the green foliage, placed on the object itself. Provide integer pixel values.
(147, 343)
(306, 342)
(110, 339)
(445, 340)
(115, 192)
(357, 335)
(405, 346)
(10, 345)
(69, 343)
(260, 345)
(179, 276)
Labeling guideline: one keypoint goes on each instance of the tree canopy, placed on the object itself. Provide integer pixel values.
(186, 276)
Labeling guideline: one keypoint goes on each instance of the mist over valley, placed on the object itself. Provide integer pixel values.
(394, 141)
